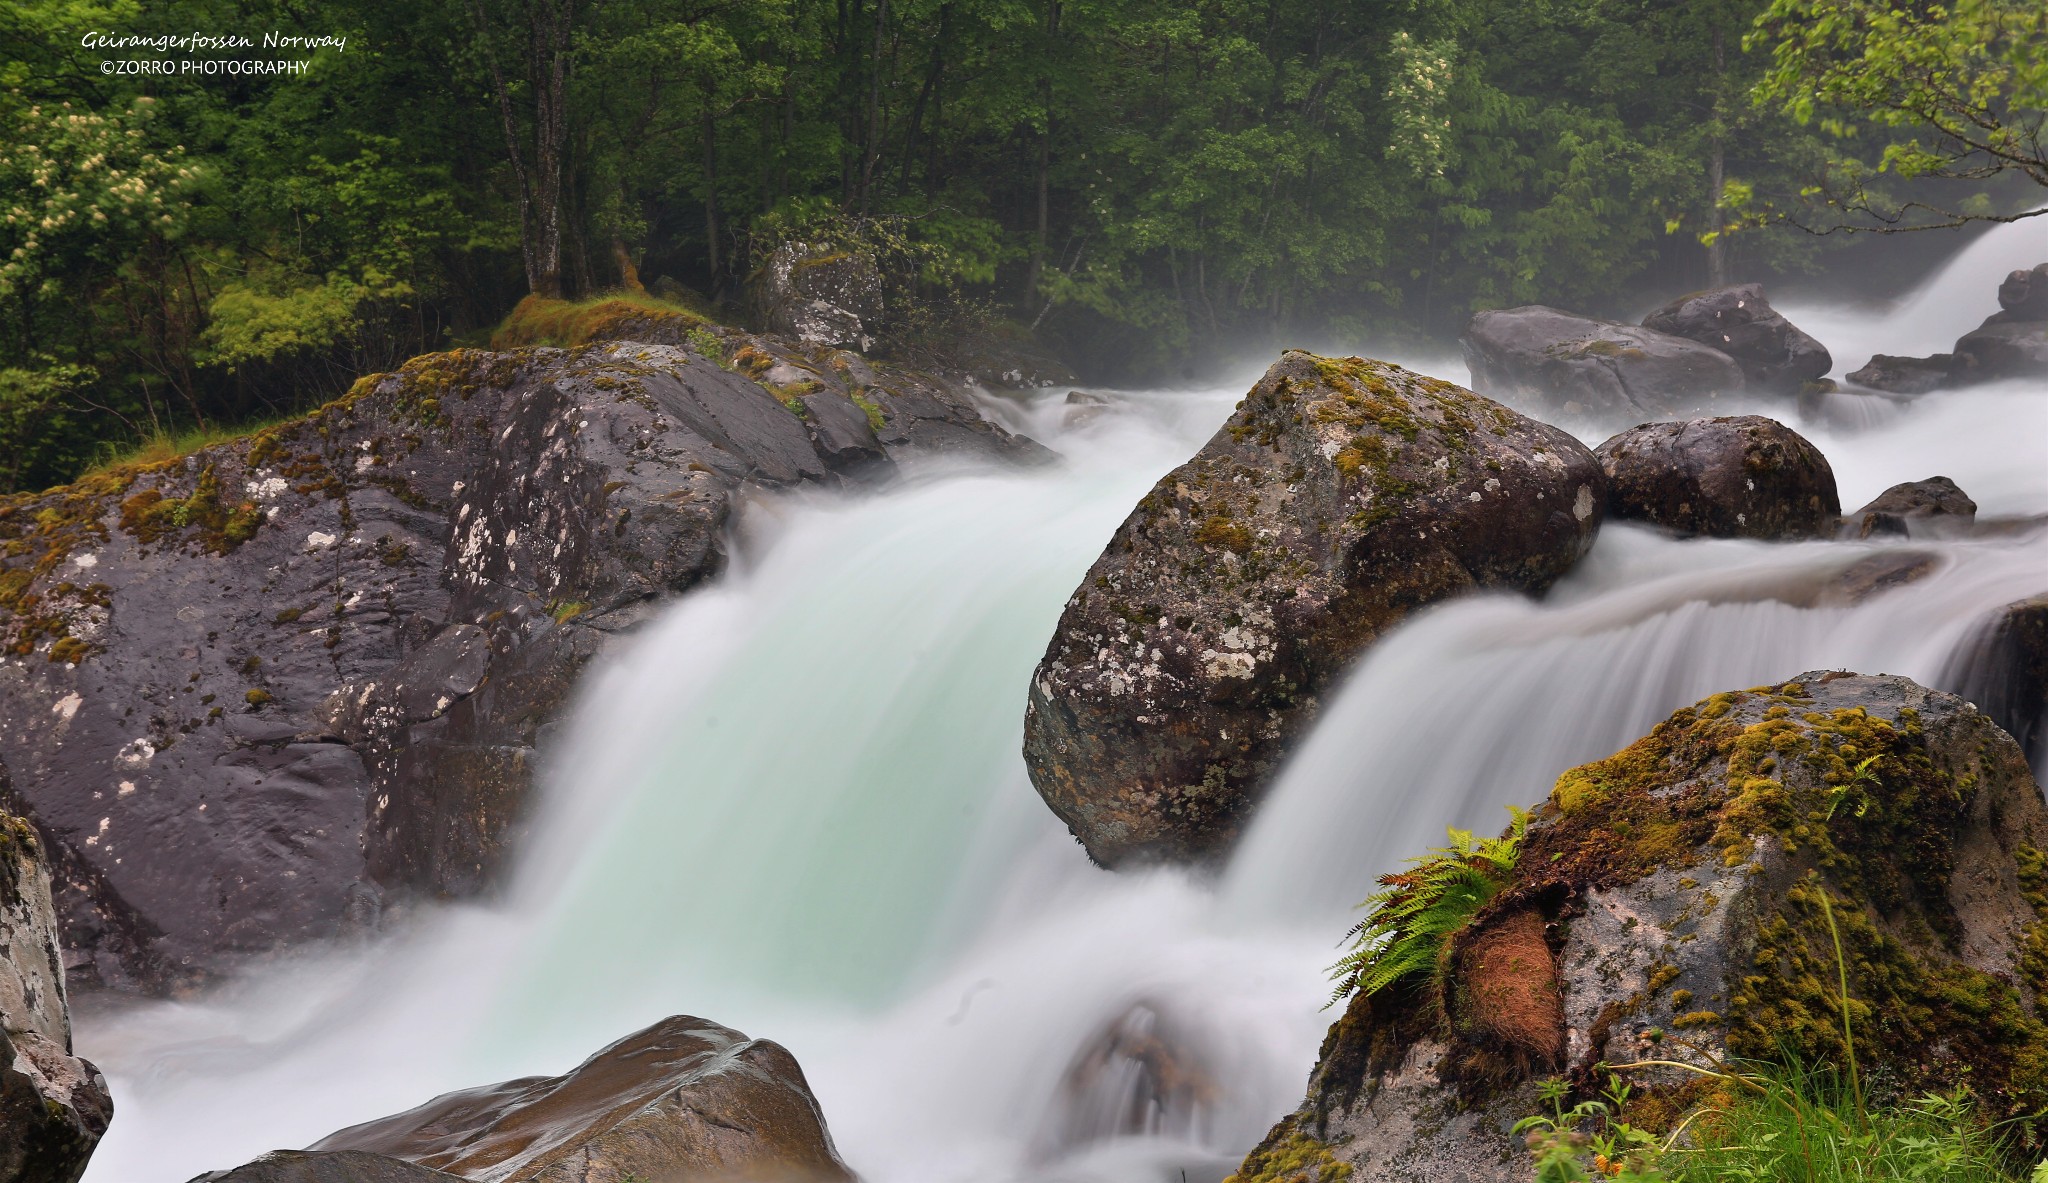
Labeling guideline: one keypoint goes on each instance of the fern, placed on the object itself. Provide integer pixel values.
(1411, 920)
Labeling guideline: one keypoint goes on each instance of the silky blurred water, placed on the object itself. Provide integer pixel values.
(794, 804)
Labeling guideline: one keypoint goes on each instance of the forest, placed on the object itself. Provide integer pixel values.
(1140, 187)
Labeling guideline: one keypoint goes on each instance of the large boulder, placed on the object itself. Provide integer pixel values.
(2011, 343)
(683, 1099)
(1999, 350)
(328, 1166)
(1774, 355)
(53, 1105)
(1933, 508)
(1341, 496)
(2023, 296)
(1668, 905)
(259, 689)
(1582, 369)
(1738, 476)
(821, 295)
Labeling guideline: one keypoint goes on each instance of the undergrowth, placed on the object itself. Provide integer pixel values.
(1410, 922)
(568, 323)
(170, 445)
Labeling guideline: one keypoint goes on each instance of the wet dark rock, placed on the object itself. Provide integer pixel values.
(2024, 294)
(1582, 369)
(2003, 667)
(1905, 375)
(1933, 508)
(337, 1166)
(1143, 1074)
(53, 1106)
(1874, 575)
(256, 690)
(1676, 887)
(1774, 355)
(1341, 496)
(1740, 476)
(683, 1099)
(2001, 349)
(1083, 408)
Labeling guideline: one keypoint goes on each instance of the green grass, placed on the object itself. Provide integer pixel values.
(567, 323)
(1780, 1125)
(170, 445)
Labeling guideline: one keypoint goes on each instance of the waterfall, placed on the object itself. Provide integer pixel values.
(795, 805)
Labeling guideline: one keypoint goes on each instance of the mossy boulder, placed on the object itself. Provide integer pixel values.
(1582, 370)
(1688, 890)
(1741, 476)
(1775, 356)
(683, 1099)
(1342, 496)
(260, 691)
(53, 1106)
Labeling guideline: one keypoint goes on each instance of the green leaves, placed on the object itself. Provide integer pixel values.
(1409, 924)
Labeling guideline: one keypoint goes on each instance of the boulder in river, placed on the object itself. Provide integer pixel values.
(682, 1099)
(1933, 508)
(2000, 350)
(53, 1106)
(1340, 497)
(1667, 905)
(2011, 343)
(1904, 375)
(2023, 296)
(1740, 476)
(2004, 668)
(1582, 369)
(256, 691)
(1774, 355)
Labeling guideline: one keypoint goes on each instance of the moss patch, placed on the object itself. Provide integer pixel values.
(1290, 1155)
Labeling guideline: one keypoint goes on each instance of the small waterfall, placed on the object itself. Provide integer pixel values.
(795, 805)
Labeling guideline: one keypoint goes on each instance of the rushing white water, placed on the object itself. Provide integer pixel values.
(795, 805)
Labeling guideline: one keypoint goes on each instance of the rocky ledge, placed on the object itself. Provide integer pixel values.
(253, 693)
(1676, 904)
(1341, 496)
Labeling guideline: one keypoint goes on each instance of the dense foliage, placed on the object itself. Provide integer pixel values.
(1143, 182)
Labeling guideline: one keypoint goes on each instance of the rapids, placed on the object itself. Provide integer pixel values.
(795, 805)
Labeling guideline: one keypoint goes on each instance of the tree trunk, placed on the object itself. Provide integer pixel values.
(1035, 273)
(711, 228)
(1717, 179)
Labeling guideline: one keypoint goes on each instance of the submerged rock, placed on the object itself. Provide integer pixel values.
(259, 688)
(683, 1099)
(1341, 496)
(1144, 1074)
(1667, 904)
(1933, 508)
(1742, 476)
(1774, 355)
(1584, 369)
(53, 1106)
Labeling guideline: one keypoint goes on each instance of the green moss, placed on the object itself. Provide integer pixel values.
(613, 316)
(257, 698)
(868, 408)
(216, 525)
(1290, 1155)
(1221, 532)
(69, 649)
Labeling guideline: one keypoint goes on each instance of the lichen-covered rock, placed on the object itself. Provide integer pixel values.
(1741, 476)
(1933, 508)
(53, 1105)
(1340, 497)
(255, 689)
(1687, 889)
(682, 1099)
(1584, 370)
(1904, 375)
(1774, 355)
(821, 295)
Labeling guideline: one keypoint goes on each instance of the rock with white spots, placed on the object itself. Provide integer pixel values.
(1775, 356)
(1342, 496)
(1740, 476)
(259, 692)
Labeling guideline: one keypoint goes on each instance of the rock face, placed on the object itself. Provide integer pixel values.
(2024, 294)
(1593, 370)
(1933, 508)
(1340, 497)
(1734, 477)
(818, 295)
(683, 1099)
(256, 689)
(1774, 355)
(53, 1105)
(1677, 889)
